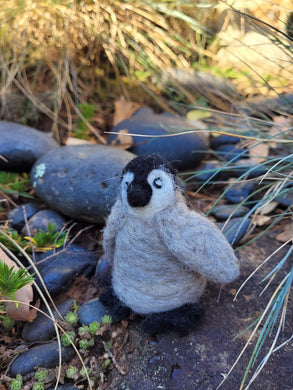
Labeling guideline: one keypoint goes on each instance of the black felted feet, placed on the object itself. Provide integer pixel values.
(180, 320)
(109, 299)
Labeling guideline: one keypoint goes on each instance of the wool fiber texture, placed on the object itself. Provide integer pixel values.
(163, 261)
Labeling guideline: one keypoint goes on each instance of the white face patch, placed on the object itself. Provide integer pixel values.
(163, 193)
(126, 180)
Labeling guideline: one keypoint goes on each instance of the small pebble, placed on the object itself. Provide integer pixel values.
(224, 212)
(41, 220)
(239, 192)
(208, 169)
(234, 229)
(60, 270)
(42, 328)
(103, 271)
(222, 140)
(91, 311)
(18, 215)
(229, 152)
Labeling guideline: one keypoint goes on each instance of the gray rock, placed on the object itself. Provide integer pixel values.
(229, 152)
(21, 146)
(41, 220)
(208, 171)
(80, 181)
(60, 270)
(222, 140)
(247, 168)
(42, 327)
(103, 271)
(91, 311)
(286, 200)
(239, 192)
(234, 229)
(184, 151)
(224, 212)
(45, 355)
(18, 214)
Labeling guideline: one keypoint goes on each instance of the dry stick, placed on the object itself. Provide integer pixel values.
(116, 364)
(57, 325)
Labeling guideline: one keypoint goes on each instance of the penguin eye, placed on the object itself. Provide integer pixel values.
(158, 183)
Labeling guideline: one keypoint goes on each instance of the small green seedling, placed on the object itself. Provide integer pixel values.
(44, 241)
(107, 320)
(93, 327)
(68, 338)
(16, 384)
(71, 318)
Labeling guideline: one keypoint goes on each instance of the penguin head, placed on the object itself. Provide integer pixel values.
(148, 185)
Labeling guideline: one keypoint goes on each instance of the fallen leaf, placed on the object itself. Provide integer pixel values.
(286, 235)
(77, 141)
(123, 139)
(268, 207)
(124, 110)
(248, 297)
(261, 220)
(20, 312)
(195, 115)
(259, 152)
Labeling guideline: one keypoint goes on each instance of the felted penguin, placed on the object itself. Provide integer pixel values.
(162, 252)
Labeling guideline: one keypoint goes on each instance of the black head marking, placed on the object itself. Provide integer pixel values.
(139, 191)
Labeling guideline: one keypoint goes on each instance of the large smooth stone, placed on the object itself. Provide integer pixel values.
(184, 151)
(60, 270)
(234, 229)
(21, 146)
(45, 355)
(42, 327)
(80, 181)
(20, 213)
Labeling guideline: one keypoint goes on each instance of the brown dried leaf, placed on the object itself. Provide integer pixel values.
(123, 140)
(261, 220)
(124, 110)
(286, 235)
(77, 141)
(258, 153)
(21, 312)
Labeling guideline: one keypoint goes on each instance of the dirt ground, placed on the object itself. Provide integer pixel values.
(200, 359)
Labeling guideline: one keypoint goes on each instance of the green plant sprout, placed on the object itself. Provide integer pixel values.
(93, 327)
(15, 183)
(107, 320)
(44, 241)
(71, 317)
(12, 233)
(16, 384)
(71, 372)
(68, 338)
(41, 375)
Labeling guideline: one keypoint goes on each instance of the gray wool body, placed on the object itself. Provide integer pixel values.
(164, 253)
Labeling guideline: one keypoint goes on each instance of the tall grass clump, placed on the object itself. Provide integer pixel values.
(63, 53)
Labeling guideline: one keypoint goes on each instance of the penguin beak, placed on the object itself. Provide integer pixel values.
(138, 196)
